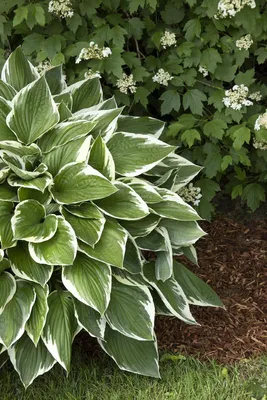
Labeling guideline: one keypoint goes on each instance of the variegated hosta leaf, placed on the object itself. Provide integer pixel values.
(164, 260)
(182, 233)
(135, 154)
(132, 260)
(27, 194)
(125, 204)
(60, 327)
(80, 93)
(39, 183)
(63, 133)
(172, 206)
(89, 230)
(196, 290)
(148, 193)
(8, 193)
(101, 159)
(36, 322)
(171, 293)
(25, 267)
(111, 247)
(154, 241)
(6, 234)
(61, 249)
(4, 263)
(131, 311)
(142, 227)
(34, 112)
(140, 357)
(6, 90)
(77, 182)
(18, 71)
(89, 281)
(16, 313)
(5, 132)
(55, 79)
(144, 125)
(89, 319)
(30, 361)
(7, 288)
(30, 222)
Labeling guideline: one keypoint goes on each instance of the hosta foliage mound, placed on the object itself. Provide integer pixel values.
(85, 193)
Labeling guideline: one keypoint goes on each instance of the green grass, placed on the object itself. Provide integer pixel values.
(185, 379)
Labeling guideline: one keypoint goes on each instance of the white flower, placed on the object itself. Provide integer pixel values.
(43, 66)
(126, 83)
(93, 52)
(244, 42)
(229, 8)
(261, 121)
(260, 144)
(191, 194)
(237, 97)
(168, 39)
(61, 8)
(257, 96)
(92, 74)
(203, 70)
(162, 77)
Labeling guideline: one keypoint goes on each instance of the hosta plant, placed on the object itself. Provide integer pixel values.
(89, 225)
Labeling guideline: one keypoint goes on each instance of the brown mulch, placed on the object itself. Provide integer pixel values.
(233, 260)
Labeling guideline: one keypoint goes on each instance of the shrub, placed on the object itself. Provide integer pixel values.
(85, 192)
(175, 59)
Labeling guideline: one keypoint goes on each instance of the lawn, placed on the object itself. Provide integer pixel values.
(185, 379)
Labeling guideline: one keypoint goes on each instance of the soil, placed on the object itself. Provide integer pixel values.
(233, 260)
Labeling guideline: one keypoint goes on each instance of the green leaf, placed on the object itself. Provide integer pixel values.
(110, 249)
(215, 128)
(30, 222)
(89, 281)
(89, 319)
(192, 29)
(171, 101)
(182, 233)
(63, 133)
(101, 159)
(30, 361)
(193, 99)
(60, 250)
(16, 313)
(60, 327)
(21, 14)
(7, 288)
(140, 153)
(125, 204)
(34, 112)
(118, 34)
(135, 27)
(174, 207)
(131, 311)
(89, 230)
(190, 136)
(253, 194)
(210, 58)
(226, 161)
(170, 293)
(240, 135)
(18, 71)
(140, 357)
(25, 268)
(77, 182)
(39, 14)
(6, 234)
(36, 322)
(196, 290)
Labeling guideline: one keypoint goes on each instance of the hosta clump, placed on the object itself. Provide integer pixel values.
(84, 192)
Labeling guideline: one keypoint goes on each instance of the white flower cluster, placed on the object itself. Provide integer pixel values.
(257, 96)
(203, 70)
(229, 8)
(261, 121)
(126, 83)
(92, 74)
(260, 144)
(62, 8)
(168, 39)
(93, 52)
(237, 97)
(162, 77)
(244, 42)
(43, 66)
(191, 194)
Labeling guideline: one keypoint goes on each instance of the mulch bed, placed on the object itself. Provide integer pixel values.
(233, 260)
